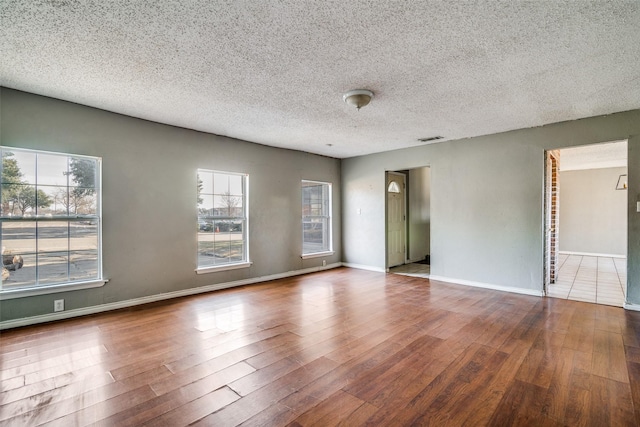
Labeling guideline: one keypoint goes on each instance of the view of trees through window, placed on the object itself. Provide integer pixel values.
(222, 218)
(316, 217)
(50, 218)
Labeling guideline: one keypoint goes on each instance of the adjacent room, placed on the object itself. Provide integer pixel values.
(590, 234)
(204, 205)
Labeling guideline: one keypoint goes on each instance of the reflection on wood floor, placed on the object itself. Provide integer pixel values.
(414, 269)
(344, 346)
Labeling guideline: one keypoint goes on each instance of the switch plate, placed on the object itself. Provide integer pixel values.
(58, 305)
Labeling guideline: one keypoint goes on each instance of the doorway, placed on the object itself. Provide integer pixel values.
(396, 219)
(413, 256)
(586, 223)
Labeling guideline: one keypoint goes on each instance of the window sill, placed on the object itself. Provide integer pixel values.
(317, 254)
(215, 269)
(50, 289)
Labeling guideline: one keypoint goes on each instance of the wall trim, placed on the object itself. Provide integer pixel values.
(364, 267)
(631, 306)
(592, 254)
(522, 291)
(94, 309)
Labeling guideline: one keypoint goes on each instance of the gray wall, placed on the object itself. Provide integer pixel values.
(593, 214)
(486, 200)
(149, 193)
(419, 189)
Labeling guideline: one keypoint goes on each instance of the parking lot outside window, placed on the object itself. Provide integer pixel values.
(222, 219)
(50, 221)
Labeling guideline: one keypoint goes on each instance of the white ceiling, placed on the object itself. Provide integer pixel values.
(594, 156)
(273, 72)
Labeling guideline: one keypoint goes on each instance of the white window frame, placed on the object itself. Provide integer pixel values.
(64, 286)
(245, 262)
(327, 216)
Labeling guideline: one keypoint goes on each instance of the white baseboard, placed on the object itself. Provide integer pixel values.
(592, 254)
(630, 306)
(364, 267)
(522, 291)
(50, 317)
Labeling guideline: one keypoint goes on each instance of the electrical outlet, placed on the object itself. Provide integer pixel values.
(324, 262)
(58, 305)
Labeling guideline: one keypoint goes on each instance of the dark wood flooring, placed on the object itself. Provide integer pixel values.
(342, 347)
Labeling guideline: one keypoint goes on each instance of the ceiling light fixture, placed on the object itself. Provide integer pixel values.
(358, 97)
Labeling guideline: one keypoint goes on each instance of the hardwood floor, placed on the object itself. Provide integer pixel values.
(343, 347)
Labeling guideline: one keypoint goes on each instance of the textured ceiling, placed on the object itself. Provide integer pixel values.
(594, 156)
(273, 72)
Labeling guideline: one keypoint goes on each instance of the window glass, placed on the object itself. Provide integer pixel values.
(316, 217)
(50, 219)
(222, 218)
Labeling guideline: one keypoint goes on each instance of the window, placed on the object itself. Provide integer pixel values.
(50, 223)
(316, 218)
(393, 187)
(222, 220)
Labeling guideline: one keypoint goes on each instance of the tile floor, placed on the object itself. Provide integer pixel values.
(600, 280)
(414, 270)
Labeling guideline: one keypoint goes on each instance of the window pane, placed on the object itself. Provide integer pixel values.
(18, 167)
(236, 240)
(52, 169)
(19, 238)
(11, 171)
(205, 207)
(52, 267)
(222, 205)
(18, 253)
(235, 185)
(53, 236)
(83, 235)
(315, 235)
(222, 249)
(205, 248)
(83, 265)
(207, 182)
(83, 247)
(19, 200)
(24, 276)
(220, 183)
(82, 173)
(59, 201)
(82, 202)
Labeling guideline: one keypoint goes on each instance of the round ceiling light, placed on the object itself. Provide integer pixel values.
(358, 97)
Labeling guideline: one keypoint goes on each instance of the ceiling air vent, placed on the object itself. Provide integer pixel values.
(431, 138)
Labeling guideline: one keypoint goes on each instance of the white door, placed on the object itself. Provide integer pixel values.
(395, 219)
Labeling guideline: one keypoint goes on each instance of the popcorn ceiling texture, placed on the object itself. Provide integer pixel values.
(273, 72)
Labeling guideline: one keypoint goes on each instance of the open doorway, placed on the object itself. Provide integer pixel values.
(586, 223)
(412, 256)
